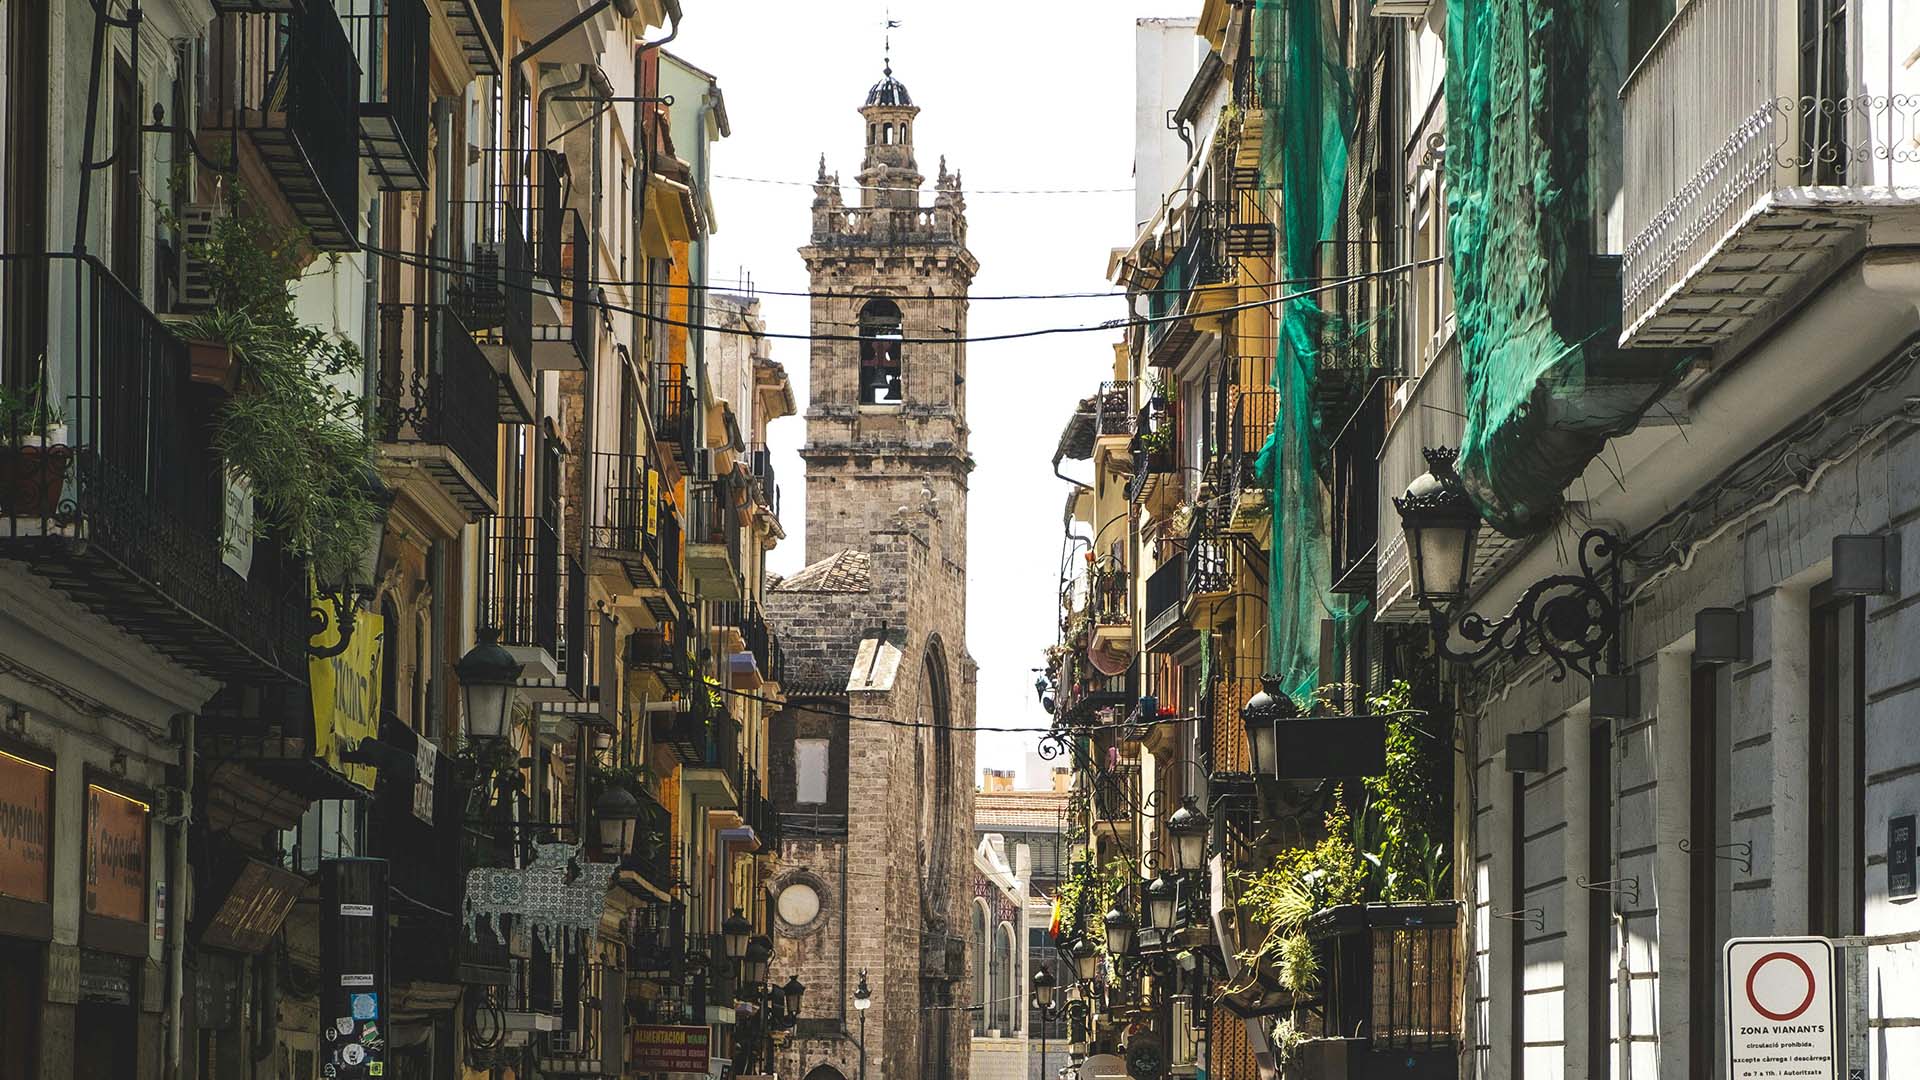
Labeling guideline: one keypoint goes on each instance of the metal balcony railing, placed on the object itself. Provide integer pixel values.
(522, 586)
(1353, 481)
(492, 292)
(1738, 100)
(437, 388)
(288, 82)
(1109, 596)
(477, 25)
(390, 39)
(713, 539)
(1116, 793)
(652, 853)
(1166, 589)
(672, 408)
(1392, 974)
(120, 503)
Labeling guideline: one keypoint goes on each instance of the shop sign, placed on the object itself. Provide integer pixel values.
(253, 909)
(656, 1048)
(1901, 882)
(1781, 1016)
(653, 502)
(346, 693)
(426, 758)
(26, 823)
(116, 856)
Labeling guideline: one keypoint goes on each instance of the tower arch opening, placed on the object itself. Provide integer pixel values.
(880, 341)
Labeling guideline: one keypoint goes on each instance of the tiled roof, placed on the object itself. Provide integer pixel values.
(845, 572)
(1012, 809)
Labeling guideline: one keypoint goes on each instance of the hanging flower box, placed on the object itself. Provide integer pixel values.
(1390, 976)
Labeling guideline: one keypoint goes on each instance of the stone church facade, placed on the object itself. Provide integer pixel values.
(873, 756)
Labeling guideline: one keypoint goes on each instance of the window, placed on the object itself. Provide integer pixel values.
(880, 353)
(1824, 86)
(1836, 769)
(1433, 282)
(1003, 996)
(810, 771)
(977, 947)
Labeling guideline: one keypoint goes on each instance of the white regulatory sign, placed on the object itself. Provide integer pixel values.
(1781, 1016)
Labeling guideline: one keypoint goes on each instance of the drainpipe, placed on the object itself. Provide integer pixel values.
(176, 915)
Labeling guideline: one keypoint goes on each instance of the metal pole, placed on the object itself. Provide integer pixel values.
(863, 1044)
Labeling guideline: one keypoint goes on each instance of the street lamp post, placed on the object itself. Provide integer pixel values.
(1049, 1010)
(862, 1001)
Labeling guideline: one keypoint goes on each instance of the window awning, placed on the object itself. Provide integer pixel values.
(670, 215)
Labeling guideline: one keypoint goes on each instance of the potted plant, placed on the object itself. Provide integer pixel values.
(33, 463)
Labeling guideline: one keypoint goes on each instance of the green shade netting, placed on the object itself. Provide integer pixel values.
(1532, 158)
(1306, 95)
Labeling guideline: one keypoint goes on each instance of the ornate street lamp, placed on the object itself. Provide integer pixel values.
(1571, 619)
(1043, 988)
(614, 815)
(488, 675)
(1262, 714)
(735, 931)
(1086, 961)
(792, 992)
(759, 953)
(1119, 929)
(1188, 826)
(1162, 892)
(862, 1001)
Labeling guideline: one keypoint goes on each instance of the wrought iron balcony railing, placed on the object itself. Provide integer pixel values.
(287, 81)
(390, 40)
(568, 345)
(713, 540)
(1718, 155)
(492, 293)
(477, 25)
(522, 584)
(1353, 482)
(672, 409)
(119, 502)
(439, 400)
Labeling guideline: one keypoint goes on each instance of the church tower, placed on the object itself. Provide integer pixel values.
(872, 755)
(887, 416)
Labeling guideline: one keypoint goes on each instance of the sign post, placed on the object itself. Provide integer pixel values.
(1783, 1019)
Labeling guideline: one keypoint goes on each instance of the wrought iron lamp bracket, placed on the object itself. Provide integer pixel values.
(1571, 619)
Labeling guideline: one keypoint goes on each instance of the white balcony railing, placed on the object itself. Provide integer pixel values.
(1729, 122)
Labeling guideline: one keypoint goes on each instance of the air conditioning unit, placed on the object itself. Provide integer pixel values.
(195, 287)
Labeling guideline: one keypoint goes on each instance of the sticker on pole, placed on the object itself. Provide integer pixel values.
(1782, 1024)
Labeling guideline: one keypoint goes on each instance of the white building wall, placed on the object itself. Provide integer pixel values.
(1166, 53)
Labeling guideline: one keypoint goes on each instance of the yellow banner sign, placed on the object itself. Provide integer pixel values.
(346, 693)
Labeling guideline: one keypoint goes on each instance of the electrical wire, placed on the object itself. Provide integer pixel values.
(430, 263)
(750, 289)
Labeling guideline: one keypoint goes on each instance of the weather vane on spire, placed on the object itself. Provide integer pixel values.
(886, 55)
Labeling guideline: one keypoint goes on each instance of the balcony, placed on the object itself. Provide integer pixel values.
(1156, 459)
(713, 541)
(760, 814)
(116, 508)
(1116, 796)
(627, 539)
(666, 650)
(288, 82)
(766, 491)
(713, 773)
(1198, 280)
(582, 42)
(1254, 411)
(651, 857)
(439, 404)
(1166, 590)
(1390, 985)
(1353, 480)
(493, 297)
(1110, 606)
(389, 39)
(1083, 691)
(672, 408)
(747, 650)
(535, 595)
(1746, 181)
(477, 24)
(569, 344)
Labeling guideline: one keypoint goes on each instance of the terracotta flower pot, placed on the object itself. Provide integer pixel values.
(210, 363)
(31, 480)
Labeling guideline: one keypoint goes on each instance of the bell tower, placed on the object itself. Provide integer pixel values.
(886, 417)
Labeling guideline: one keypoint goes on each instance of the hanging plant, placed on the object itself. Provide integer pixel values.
(292, 428)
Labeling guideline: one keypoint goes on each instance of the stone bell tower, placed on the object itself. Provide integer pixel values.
(871, 758)
(887, 415)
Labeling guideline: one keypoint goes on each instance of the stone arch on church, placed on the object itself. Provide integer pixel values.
(933, 711)
(880, 353)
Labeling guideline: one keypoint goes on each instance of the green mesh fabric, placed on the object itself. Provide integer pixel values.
(1532, 148)
(1306, 98)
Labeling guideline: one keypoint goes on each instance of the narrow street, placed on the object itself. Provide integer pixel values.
(1205, 540)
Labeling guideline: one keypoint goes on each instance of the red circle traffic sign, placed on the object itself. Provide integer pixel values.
(1754, 971)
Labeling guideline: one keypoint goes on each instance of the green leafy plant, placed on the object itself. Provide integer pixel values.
(27, 411)
(292, 427)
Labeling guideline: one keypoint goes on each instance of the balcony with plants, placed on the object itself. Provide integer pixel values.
(181, 478)
(1156, 452)
(1358, 928)
(281, 99)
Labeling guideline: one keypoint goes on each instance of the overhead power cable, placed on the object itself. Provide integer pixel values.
(750, 290)
(430, 262)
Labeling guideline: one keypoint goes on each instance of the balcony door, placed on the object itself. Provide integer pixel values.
(1825, 84)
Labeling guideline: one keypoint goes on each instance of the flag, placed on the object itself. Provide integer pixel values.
(1053, 925)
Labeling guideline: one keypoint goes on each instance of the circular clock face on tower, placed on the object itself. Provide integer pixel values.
(798, 904)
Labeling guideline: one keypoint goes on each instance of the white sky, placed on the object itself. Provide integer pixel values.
(1017, 94)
